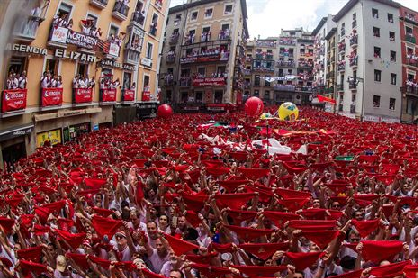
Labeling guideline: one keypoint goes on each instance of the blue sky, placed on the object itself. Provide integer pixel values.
(278, 14)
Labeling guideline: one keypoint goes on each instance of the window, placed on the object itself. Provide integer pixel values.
(267, 83)
(208, 13)
(126, 80)
(257, 80)
(343, 29)
(375, 13)
(82, 69)
(199, 97)
(228, 9)
(225, 27)
(113, 31)
(408, 31)
(194, 16)
(393, 79)
(219, 96)
(378, 75)
(353, 97)
(256, 93)
(393, 56)
(267, 95)
(52, 66)
(149, 50)
(376, 32)
(92, 18)
(64, 9)
(168, 95)
(376, 101)
(201, 71)
(354, 24)
(392, 103)
(390, 18)
(184, 97)
(392, 36)
(146, 82)
(377, 52)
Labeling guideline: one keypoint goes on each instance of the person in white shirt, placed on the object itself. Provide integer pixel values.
(53, 83)
(59, 81)
(23, 80)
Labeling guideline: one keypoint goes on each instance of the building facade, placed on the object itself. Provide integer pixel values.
(72, 66)
(369, 60)
(409, 35)
(202, 68)
(331, 65)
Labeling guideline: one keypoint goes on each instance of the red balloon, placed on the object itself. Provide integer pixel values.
(254, 106)
(164, 111)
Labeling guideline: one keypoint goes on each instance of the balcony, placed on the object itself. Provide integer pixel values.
(185, 82)
(120, 11)
(340, 87)
(224, 35)
(353, 62)
(101, 4)
(352, 85)
(341, 67)
(170, 58)
(169, 80)
(410, 90)
(138, 18)
(286, 54)
(174, 38)
(262, 69)
(247, 85)
(153, 29)
(259, 56)
(342, 47)
(410, 38)
(204, 58)
(412, 61)
(269, 56)
(354, 41)
(286, 88)
(285, 64)
(305, 65)
(287, 41)
(247, 72)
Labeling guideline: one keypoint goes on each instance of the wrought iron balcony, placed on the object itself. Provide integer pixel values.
(101, 4)
(120, 11)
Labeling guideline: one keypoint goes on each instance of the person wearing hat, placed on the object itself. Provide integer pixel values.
(61, 268)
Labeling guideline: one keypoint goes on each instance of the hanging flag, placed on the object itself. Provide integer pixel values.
(326, 99)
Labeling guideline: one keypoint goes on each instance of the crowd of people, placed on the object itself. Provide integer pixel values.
(106, 82)
(16, 81)
(81, 81)
(201, 195)
(51, 80)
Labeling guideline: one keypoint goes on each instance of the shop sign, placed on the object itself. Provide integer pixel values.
(146, 62)
(53, 136)
(113, 64)
(27, 49)
(128, 95)
(83, 95)
(81, 40)
(73, 55)
(51, 96)
(14, 100)
(108, 95)
(209, 81)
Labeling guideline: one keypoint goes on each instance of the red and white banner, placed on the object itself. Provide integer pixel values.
(59, 34)
(83, 95)
(128, 95)
(109, 95)
(326, 99)
(146, 96)
(209, 81)
(14, 100)
(51, 96)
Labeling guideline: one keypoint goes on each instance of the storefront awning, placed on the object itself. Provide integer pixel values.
(15, 131)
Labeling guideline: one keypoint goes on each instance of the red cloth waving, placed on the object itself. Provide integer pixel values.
(239, 216)
(366, 227)
(294, 204)
(180, 246)
(254, 173)
(411, 271)
(30, 254)
(79, 259)
(233, 201)
(7, 224)
(248, 234)
(289, 193)
(279, 218)
(321, 237)
(264, 250)
(106, 226)
(74, 240)
(390, 270)
(303, 260)
(309, 225)
(28, 267)
(379, 250)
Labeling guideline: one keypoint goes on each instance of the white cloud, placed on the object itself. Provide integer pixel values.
(267, 17)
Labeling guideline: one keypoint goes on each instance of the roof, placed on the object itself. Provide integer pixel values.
(331, 33)
(350, 4)
(320, 24)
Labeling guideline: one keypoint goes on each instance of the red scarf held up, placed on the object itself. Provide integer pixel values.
(365, 228)
(180, 246)
(105, 226)
(379, 250)
(303, 260)
(248, 234)
(321, 237)
(233, 201)
(264, 250)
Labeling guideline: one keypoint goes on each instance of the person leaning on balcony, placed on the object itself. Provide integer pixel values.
(133, 86)
(46, 80)
(23, 80)
(92, 83)
(59, 81)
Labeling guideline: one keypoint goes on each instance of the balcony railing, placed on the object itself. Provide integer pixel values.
(269, 57)
(352, 85)
(353, 61)
(171, 58)
(354, 41)
(26, 27)
(169, 80)
(410, 90)
(202, 58)
(247, 72)
(341, 67)
(305, 65)
(342, 47)
(262, 69)
(287, 88)
(410, 38)
(224, 35)
(101, 4)
(138, 18)
(259, 56)
(412, 62)
(340, 87)
(120, 11)
(185, 82)
(286, 54)
(285, 64)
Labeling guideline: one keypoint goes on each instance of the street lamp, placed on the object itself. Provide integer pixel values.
(355, 81)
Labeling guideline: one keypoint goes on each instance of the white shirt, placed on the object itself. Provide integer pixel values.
(22, 82)
(157, 262)
(45, 82)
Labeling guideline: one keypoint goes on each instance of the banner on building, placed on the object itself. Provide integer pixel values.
(108, 95)
(114, 49)
(14, 100)
(53, 136)
(83, 95)
(128, 95)
(146, 96)
(209, 81)
(51, 96)
(59, 34)
(64, 35)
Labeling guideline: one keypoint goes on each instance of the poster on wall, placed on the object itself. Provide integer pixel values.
(108, 95)
(51, 96)
(14, 100)
(83, 95)
(53, 136)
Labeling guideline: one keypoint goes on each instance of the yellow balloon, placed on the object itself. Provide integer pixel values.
(288, 112)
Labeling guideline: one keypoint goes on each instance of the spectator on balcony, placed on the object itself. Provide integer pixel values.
(87, 26)
(118, 5)
(115, 84)
(125, 7)
(60, 20)
(45, 80)
(92, 83)
(23, 80)
(53, 83)
(97, 33)
(12, 82)
(59, 82)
